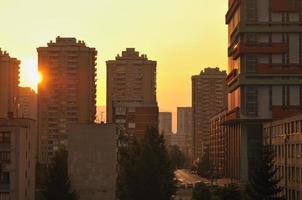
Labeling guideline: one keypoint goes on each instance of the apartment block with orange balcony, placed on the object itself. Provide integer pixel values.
(265, 72)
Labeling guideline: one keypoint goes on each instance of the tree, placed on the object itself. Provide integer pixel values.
(57, 185)
(201, 192)
(145, 170)
(228, 192)
(177, 157)
(203, 166)
(264, 184)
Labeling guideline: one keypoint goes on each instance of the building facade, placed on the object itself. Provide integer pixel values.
(18, 142)
(264, 80)
(9, 82)
(27, 103)
(135, 118)
(208, 97)
(165, 122)
(131, 84)
(67, 93)
(92, 160)
(218, 148)
(285, 138)
(184, 128)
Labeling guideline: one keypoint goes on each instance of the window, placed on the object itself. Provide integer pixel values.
(4, 178)
(251, 101)
(4, 137)
(251, 64)
(5, 156)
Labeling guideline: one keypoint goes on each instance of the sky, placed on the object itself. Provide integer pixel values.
(183, 36)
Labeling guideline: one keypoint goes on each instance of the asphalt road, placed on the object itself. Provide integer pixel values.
(187, 180)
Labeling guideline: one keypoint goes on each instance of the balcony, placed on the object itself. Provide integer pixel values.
(273, 48)
(232, 9)
(233, 115)
(279, 69)
(279, 112)
(285, 6)
(231, 76)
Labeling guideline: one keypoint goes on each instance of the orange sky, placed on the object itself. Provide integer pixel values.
(184, 36)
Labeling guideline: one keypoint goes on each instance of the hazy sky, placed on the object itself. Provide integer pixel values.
(184, 36)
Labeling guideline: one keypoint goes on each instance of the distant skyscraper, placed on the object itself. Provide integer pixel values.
(131, 92)
(209, 96)
(184, 120)
(27, 103)
(165, 122)
(9, 82)
(184, 130)
(67, 93)
(265, 74)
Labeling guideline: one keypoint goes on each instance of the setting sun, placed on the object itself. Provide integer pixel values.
(29, 73)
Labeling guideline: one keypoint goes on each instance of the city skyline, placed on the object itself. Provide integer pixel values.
(177, 42)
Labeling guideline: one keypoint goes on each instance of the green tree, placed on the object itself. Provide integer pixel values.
(145, 170)
(177, 158)
(228, 192)
(264, 184)
(203, 166)
(201, 192)
(57, 185)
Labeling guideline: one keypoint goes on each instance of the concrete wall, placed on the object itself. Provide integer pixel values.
(92, 160)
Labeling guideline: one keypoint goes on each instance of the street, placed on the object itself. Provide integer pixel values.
(186, 183)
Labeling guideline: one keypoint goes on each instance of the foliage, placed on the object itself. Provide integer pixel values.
(203, 166)
(201, 192)
(57, 185)
(177, 157)
(145, 170)
(228, 192)
(264, 184)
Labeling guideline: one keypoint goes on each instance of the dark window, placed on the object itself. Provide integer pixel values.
(251, 101)
(4, 137)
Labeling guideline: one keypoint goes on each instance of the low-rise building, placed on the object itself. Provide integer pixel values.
(18, 148)
(218, 143)
(285, 137)
(92, 160)
(135, 118)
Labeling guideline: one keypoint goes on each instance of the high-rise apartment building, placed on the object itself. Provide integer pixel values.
(265, 74)
(9, 82)
(285, 138)
(27, 103)
(67, 93)
(18, 153)
(208, 98)
(165, 122)
(131, 92)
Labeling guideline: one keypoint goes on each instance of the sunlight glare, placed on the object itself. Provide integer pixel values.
(29, 75)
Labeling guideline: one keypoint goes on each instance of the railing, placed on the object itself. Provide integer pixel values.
(233, 114)
(279, 69)
(259, 48)
(231, 75)
(279, 112)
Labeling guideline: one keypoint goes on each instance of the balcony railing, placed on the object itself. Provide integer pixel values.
(258, 48)
(233, 114)
(231, 76)
(285, 6)
(279, 112)
(279, 69)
